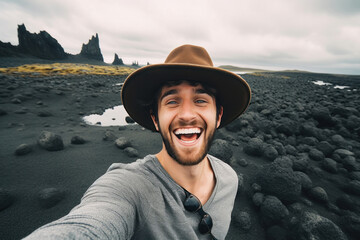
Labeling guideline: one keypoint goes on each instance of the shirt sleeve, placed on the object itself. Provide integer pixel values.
(107, 211)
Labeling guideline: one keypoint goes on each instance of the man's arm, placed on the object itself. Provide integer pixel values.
(106, 211)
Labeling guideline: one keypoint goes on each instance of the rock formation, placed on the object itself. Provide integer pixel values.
(117, 60)
(92, 50)
(41, 45)
(8, 50)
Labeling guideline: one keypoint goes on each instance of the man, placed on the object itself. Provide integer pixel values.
(181, 192)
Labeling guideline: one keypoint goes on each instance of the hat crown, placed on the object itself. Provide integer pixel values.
(190, 54)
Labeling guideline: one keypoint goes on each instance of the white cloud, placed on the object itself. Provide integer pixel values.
(314, 35)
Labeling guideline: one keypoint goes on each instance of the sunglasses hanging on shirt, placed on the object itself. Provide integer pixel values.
(193, 204)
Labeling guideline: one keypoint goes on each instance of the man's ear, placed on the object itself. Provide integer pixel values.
(154, 121)
(219, 117)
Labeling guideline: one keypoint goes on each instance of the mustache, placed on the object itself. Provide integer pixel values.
(185, 123)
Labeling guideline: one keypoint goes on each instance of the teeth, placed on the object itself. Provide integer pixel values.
(187, 131)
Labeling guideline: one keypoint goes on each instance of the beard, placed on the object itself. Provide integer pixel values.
(190, 159)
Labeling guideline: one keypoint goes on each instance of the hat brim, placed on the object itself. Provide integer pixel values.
(232, 91)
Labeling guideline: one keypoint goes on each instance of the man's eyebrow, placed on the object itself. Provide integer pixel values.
(202, 91)
(167, 93)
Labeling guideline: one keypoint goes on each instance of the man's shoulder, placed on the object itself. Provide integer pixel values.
(133, 175)
(124, 180)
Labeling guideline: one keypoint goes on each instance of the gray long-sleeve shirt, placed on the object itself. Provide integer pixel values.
(141, 201)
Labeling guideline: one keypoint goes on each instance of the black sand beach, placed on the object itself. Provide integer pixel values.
(296, 151)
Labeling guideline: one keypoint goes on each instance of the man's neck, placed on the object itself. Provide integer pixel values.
(198, 179)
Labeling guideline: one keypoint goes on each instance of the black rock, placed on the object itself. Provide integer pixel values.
(322, 115)
(279, 181)
(279, 147)
(236, 125)
(117, 60)
(131, 152)
(316, 155)
(243, 221)
(305, 180)
(287, 127)
(91, 50)
(329, 165)
(309, 129)
(343, 153)
(258, 199)
(23, 149)
(314, 226)
(129, 119)
(353, 122)
(243, 162)
(325, 147)
(221, 149)
(109, 136)
(77, 140)
(300, 163)
(270, 153)
(350, 164)
(319, 194)
(255, 147)
(50, 141)
(338, 140)
(296, 208)
(40, 45)
(256, 187)
(290, 150)
(44, 113)
(122, 143)
(273, 210)
(308, 141)
(49, 197)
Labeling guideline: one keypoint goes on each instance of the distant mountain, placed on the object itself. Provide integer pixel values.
(42, 45)
(240, 69)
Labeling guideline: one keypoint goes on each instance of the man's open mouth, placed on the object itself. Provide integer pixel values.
(188, 134)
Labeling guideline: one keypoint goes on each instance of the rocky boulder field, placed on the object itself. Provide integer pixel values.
(296, 151)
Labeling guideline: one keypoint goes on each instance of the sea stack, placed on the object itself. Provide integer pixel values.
(117, 60)
(91, 50)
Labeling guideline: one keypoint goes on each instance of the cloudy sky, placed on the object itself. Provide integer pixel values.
(313, 35)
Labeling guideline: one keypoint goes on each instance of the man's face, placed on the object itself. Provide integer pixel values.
(187, 122)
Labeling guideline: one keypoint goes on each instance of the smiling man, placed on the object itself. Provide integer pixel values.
(181, 192)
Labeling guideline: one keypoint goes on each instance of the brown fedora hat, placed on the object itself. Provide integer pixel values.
(191, 63)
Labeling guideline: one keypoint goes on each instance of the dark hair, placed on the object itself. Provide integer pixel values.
(152, 106)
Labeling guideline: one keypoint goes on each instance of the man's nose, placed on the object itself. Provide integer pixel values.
(187, 111)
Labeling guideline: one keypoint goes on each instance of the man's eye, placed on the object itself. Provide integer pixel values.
(200, 101)
(171, 102)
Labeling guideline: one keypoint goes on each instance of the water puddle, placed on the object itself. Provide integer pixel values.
(322, 83)
(240, 73)
(111, 117)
